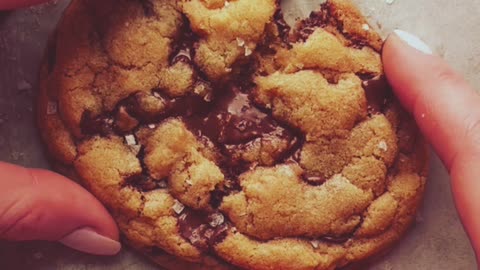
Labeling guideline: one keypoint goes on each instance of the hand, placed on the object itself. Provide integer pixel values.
(41, 205)
(447, 111)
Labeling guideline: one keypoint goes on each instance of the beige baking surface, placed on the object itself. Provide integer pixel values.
(437, 240)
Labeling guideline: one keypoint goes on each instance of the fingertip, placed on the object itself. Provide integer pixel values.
(443, 104)
(42, 205)
(401, 64)
(78, 203)
(88, 241)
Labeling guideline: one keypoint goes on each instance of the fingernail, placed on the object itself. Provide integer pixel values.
(88, 241)
(413, 41)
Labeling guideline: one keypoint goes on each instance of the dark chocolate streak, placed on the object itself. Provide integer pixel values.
(143, 182)
(233, 119)
(379, 94)
(307, 26)
(102, 124)
(283, 27)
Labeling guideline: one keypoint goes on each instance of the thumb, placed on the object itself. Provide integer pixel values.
(41, 205)
(447, 111)
(11, 4)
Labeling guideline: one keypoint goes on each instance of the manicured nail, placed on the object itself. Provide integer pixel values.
(413, 41)
(88, 241)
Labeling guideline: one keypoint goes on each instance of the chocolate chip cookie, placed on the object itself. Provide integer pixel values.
(221, 138)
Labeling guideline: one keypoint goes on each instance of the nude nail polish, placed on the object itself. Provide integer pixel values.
(88, 241)
(413, 41)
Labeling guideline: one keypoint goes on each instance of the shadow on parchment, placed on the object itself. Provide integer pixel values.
(4, 15)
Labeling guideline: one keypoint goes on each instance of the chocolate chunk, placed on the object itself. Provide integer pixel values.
(124, 122)
(144, 183)
(197, 228)
(378, 93)
(233, 120)
(90, 125)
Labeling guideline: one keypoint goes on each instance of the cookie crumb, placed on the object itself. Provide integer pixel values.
(178, 207)
(365, 27)
(52, 108)
(227, 3)
(217, 219)
(383, 146)
(130, 139)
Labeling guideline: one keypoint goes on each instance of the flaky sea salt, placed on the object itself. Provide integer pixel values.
(178, 207)
(217, 219)
(240, 42)
(315, 243)
(248, 51)
(383, 146)
(130, 139)
(136, 148)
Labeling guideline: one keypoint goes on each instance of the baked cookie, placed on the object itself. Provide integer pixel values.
(219, 138)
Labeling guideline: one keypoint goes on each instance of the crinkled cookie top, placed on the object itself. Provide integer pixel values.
(221, 139)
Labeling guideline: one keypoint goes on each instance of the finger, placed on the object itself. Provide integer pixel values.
(444, 105)
(41, 205)
(12, 4)
(447, 111)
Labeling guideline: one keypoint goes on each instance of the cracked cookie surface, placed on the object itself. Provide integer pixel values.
(218, 138)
